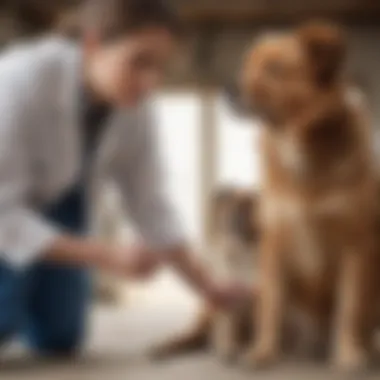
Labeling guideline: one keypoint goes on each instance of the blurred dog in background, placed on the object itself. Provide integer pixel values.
(234, 236)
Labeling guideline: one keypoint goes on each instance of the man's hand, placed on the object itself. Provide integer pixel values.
(229, 296)
(140, 262)
(192, 271)
(136, 261)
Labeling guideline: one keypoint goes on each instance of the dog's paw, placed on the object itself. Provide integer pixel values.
(259, 357)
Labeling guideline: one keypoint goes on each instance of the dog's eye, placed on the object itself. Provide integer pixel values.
(274, 69)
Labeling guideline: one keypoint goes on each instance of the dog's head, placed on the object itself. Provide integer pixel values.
(285, 73)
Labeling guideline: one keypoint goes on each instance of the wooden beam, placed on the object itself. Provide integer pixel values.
(203, 54)
(352, 14)
(208, 160)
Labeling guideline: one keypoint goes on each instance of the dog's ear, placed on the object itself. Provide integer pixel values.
(325, 46)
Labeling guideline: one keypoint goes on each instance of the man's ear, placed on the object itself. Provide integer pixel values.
(325, 46)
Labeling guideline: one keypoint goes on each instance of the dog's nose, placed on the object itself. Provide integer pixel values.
(234, 99)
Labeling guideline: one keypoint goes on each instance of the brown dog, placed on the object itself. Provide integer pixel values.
(318, 250)
(234, 236)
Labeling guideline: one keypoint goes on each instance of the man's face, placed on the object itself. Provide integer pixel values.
(125, 71)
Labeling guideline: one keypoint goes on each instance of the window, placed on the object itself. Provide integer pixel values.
(179, 132)
(237, 146)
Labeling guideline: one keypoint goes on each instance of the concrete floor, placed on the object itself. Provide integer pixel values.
(120, 337)
(116, 349)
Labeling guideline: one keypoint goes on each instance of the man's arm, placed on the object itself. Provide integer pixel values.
(142, 186)
(25, 236)
(141, 180)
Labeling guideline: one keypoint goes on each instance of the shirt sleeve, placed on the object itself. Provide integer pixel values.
(143, 191)
(24, 235)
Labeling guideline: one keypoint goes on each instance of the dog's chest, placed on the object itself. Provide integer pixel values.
(303, 215)
(305, 239)
(288, 154)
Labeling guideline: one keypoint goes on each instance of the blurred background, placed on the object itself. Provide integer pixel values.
(206, 147)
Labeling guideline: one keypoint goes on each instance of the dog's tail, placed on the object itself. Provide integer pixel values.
(196, 338)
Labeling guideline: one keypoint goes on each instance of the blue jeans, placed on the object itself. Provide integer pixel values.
(47, 303)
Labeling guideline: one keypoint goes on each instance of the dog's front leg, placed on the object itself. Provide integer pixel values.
(269, 314)
(355, 308)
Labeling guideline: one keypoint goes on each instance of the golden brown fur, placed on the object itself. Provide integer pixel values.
(318, 244)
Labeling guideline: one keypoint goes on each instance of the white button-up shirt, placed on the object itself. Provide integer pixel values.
(40, 152)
